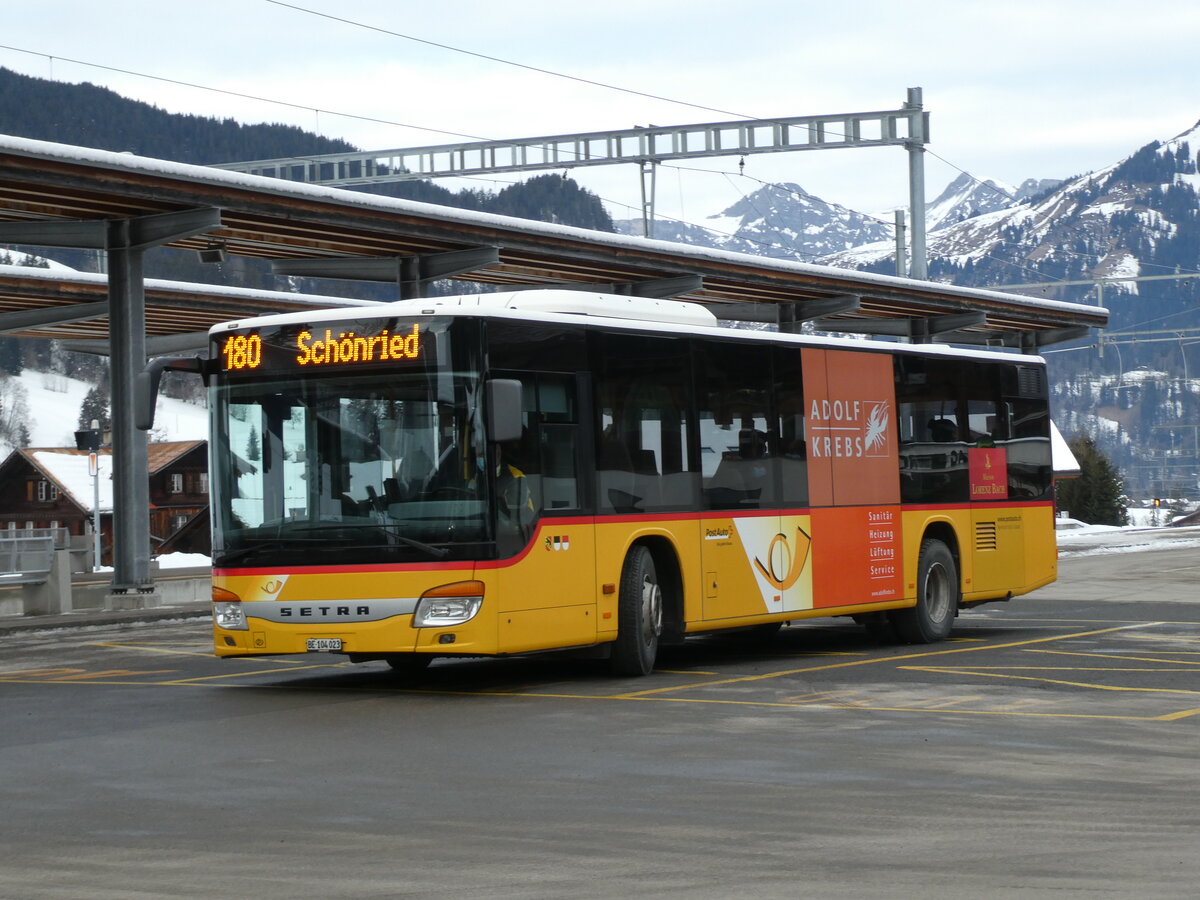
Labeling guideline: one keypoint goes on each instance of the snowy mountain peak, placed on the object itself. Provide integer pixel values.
(966, 197)
(778, 220)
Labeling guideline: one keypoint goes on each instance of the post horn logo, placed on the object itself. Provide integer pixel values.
(784, 565)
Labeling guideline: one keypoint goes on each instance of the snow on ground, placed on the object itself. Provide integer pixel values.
(1147, 531)
(175, 561)
(54, 402)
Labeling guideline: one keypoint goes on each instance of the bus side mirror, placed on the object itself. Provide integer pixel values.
(504, 419)
(145, 385)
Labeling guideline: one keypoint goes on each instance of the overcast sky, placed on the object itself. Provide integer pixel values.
(1026, 88)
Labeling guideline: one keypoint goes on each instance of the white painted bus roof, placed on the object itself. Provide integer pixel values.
(515, 305)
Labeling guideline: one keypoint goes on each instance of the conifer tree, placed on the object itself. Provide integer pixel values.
(95, 408)
(1097, 496)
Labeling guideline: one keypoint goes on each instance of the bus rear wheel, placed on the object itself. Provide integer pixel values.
(937, 597)
(639, 615)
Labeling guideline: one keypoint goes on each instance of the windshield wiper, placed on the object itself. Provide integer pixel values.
(312, 537)
(233, 556)
(436, 552)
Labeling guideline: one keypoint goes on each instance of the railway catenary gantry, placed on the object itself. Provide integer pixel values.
(124, 205)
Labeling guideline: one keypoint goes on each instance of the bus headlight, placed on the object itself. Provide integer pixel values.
(448, 604)
(228, 614)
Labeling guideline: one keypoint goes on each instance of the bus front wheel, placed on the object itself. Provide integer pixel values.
(937, 597)
(639, 615)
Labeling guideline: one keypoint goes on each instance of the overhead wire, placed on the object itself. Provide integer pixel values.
(241, 94)
(306, 108)
(507, 62)
(496, 59)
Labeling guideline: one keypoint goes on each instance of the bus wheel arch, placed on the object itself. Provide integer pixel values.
(649, 605)
(939, 590)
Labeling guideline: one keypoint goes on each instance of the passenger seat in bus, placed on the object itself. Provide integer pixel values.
(614, 471)
(741, 474)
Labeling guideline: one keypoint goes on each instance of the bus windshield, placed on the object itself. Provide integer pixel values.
(349, 468)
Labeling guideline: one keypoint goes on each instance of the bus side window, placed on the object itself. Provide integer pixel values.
(933, 451)
(558, 442)
(733, 388)
(643, 452)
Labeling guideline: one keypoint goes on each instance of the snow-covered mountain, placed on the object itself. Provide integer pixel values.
(786, 221)
(1138, 216)
(777, 220)
(967, 197)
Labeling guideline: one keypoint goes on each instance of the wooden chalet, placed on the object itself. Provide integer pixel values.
(53, 487)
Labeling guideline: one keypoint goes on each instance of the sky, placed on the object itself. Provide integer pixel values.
(1044, 89)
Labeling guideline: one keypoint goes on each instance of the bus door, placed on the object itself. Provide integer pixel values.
(854, 480)
(998, 539)
(746, 559)
(546, 578)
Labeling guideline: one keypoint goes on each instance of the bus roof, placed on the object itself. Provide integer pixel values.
(607, 311)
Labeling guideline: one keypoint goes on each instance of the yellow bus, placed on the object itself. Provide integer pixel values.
(519, 472)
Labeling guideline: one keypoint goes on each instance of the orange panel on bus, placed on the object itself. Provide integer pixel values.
(851, 427)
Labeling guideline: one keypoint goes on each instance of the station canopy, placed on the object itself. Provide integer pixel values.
(120, 206)
(308, 230)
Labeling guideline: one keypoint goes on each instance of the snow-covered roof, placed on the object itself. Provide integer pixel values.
(70, 469)
(60, 274)
(584, 308)
(487, 223)
(1062, 461)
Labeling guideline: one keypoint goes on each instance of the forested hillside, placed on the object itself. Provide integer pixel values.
(96, 117)
(91, 116)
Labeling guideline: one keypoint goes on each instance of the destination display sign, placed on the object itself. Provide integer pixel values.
(323, 346)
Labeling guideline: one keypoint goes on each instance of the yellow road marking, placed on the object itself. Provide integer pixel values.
(982, 672)
(1167, 637)
(942, 704)
(1172, 652)
(1075, 668)
(1115, 655)
(40, 673)
(820, 697)
(882, 659)
(202, 678)
(1022, 703)
(992, 621)
(149, 649)
(1182, 714)
(818, 700)
(78, 676)
(750, 703)
(121, 645)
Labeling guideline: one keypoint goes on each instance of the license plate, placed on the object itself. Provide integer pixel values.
(324, 644)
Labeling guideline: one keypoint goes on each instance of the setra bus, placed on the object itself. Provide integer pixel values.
(541, 470)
